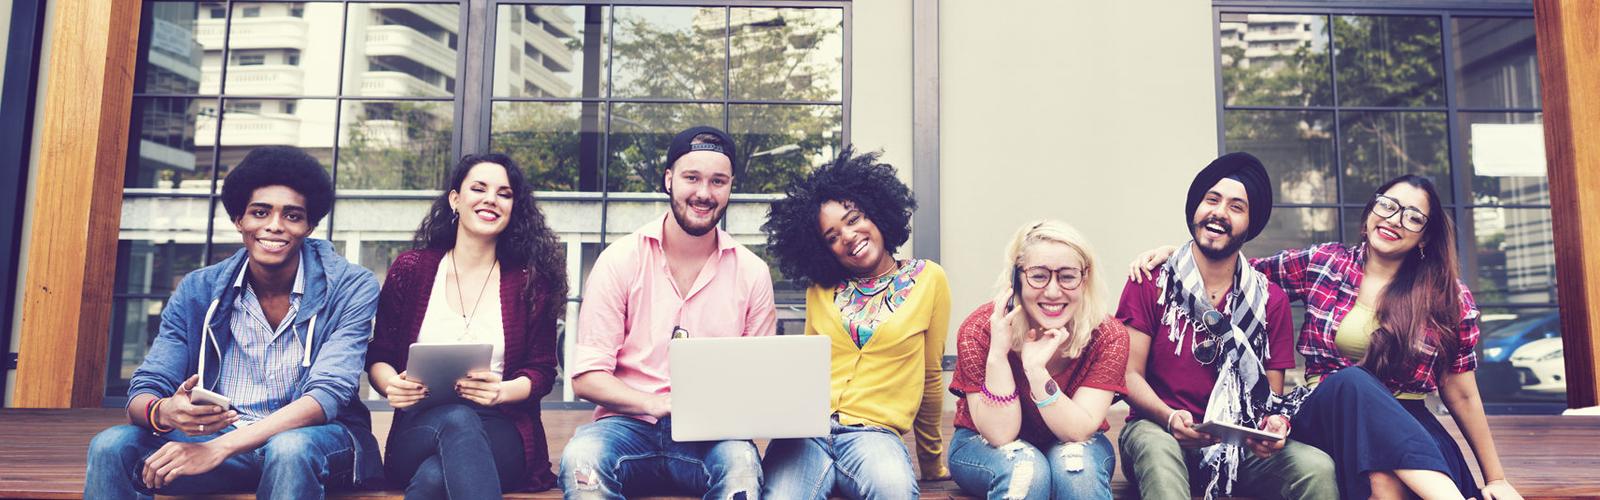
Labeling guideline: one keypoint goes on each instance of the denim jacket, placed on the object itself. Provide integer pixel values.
(341, 299)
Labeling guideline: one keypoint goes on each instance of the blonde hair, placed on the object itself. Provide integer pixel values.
(1092, 303)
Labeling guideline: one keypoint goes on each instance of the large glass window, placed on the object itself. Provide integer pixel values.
(1338, 102)
(385, 95)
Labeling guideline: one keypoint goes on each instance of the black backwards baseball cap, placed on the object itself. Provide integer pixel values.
(681, 146)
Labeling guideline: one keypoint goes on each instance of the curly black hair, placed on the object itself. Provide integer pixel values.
(793, 238)
(526, 242)
(278, 166)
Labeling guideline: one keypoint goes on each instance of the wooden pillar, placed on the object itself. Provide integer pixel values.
(77, 205)
(1569, 74)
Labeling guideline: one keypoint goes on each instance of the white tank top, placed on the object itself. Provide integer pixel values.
(441, 325)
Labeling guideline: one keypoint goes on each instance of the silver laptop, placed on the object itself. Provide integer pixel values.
(749, 388)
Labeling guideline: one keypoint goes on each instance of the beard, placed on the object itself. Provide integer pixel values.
(680, 213)
(1235, 241)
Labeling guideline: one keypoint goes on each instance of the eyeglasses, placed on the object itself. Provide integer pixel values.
(1067, 278)
(1412, 219)
(1206, 351)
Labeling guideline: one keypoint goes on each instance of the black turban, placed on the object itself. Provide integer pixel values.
(1246, 169)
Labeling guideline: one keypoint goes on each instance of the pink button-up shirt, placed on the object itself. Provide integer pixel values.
(631, 305)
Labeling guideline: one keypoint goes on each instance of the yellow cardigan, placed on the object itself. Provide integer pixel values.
(896, 376)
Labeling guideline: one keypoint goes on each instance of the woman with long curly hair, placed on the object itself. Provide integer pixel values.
(485, 269)
(838, 229)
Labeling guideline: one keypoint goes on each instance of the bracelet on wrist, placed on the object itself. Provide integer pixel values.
(1169, 420)
(992, 399)
(1048, 400)
(155, 409)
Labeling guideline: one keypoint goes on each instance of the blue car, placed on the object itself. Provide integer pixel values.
(1498, 378)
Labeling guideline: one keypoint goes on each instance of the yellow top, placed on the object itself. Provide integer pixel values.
(896, 377)
(1353, 337)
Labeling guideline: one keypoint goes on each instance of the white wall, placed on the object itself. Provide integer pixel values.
(880, 112)
(1095, 113)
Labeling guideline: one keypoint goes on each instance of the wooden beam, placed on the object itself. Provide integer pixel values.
(1569, 75)
(77, 205)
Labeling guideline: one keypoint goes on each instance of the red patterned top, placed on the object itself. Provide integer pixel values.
(1102, 366)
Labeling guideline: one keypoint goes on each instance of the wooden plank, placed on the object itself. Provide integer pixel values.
(66, 304)
(42, 452)
(1569, 75)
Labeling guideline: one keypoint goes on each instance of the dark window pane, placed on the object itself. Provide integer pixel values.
(401, 50)
(377, 255)
(1513, 259)
(164, 155)
(787, 54)
(1496, 65)
(1276, 59)
(265, 50)
(251, 123)
(1294, 227)
(1379, 146)
(155, 266)
(395, 145)
(555, 51)
(1520, 356)
(640, 134)
(670, 52)
(1505, 152)
(176, 62)
(557, 144)
(1389, 61)
(779, 144)
(1295, 146)
(134, 325)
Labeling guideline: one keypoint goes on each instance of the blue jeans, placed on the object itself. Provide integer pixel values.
(456, 451)
(856, 461)
(297, 463)
(617, 456)
(1020, 470)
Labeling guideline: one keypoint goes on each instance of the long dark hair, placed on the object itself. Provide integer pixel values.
(1421, 307)
(527, 241)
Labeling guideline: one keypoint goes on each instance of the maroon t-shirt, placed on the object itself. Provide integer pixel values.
(1179, 379)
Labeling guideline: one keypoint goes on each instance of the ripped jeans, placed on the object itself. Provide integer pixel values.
(1021, 470)
(617, 456)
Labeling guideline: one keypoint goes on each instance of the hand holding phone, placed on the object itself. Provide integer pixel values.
(196, 411)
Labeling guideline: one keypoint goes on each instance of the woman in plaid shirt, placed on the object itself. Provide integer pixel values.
(1387, 322)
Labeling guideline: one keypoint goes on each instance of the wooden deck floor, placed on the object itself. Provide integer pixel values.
(42, 452)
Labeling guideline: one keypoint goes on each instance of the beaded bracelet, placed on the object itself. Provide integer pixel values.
(992, 399)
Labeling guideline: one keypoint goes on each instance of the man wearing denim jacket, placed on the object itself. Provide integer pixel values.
(280, 329)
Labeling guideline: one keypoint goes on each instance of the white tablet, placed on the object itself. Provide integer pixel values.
(439, 366)
(1235, 433)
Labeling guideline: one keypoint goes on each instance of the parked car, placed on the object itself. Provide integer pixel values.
(1502, 378)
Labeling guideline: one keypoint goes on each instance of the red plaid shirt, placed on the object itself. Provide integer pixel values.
(1326, 278)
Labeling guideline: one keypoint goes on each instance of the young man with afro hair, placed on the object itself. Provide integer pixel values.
(276, 334)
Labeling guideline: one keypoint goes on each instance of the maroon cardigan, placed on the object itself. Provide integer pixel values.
(530, 349)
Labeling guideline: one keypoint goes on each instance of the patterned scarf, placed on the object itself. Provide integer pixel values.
(1241, 389)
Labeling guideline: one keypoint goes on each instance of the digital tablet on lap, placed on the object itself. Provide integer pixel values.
(439, 366)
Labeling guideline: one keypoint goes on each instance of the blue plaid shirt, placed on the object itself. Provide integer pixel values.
(261, 368)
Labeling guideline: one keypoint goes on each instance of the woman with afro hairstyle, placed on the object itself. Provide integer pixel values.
(486, 269)
(838, 230)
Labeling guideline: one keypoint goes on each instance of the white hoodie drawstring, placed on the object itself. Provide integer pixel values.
(205, 334)
(311, 331)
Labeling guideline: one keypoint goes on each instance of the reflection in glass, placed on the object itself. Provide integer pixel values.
(176, 61)
(1379, 146)
(778, 144)
(1294, 227)
(550, 51)
(1275, 59)
(640, 134)
(1520, 355)
(1295, 146)
(134, 325)
(400, 50)
(279, 49)
(787, 54)
(250, 123)
(1496, 65)
(1513, 259)
(164, 155)
(670, 52)
(377, 255)
(395, 145)
(1505, 152)
(1393, 61)
(155, 266)
(557, 144)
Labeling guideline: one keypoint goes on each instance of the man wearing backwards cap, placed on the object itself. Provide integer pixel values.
(1219, 338)
(678, 276)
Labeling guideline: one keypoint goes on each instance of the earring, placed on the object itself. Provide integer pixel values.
(1422, 252)
(455, 217)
